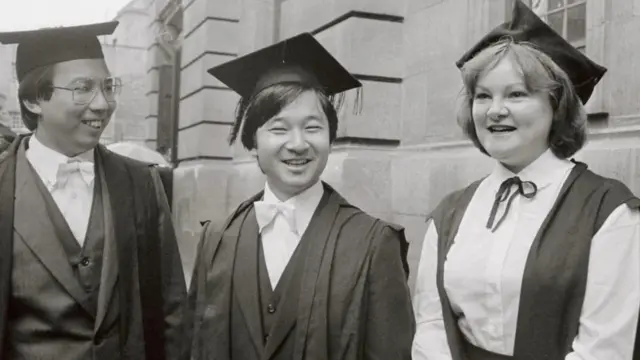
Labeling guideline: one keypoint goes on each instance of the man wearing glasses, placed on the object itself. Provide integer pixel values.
(89, 264)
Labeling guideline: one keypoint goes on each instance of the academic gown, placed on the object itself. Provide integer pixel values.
(345, 290)
(142, 292)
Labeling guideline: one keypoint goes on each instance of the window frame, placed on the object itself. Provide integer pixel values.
(578, 44)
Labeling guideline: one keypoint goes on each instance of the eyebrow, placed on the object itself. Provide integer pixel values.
(306, 118)
(80, 80)
(507, 86)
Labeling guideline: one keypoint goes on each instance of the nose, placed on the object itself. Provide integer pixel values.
(297, 141)
(99, 102)
(497, 110)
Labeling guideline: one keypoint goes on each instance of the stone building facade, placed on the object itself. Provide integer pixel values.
(404, 152)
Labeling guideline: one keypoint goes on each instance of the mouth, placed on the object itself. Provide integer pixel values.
(95, 124)
(501, 129)
(296, 162)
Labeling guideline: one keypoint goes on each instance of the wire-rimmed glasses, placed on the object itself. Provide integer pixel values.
(85, 90)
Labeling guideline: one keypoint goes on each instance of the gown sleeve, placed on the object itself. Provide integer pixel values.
(609, 316)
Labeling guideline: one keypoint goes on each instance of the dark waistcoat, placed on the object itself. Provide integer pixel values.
(276, 341)
(272, 300)
(555, 275)
(45, 321)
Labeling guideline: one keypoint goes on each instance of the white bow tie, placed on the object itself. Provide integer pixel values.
(73, 166)
(266, 213)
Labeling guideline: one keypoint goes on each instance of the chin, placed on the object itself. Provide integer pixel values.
(87, 144)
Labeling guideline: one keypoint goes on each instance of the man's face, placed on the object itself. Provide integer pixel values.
(73, 119)
(293, 146)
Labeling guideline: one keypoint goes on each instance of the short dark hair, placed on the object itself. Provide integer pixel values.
(540, 73)
(36, 85)
(253, 112)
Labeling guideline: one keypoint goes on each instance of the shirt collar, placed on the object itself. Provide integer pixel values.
(305, 203)
(46, 161)
(543, 171)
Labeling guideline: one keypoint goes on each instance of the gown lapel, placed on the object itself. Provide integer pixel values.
(301, 284)
(245, 274)
(109, 273)
(124, 224)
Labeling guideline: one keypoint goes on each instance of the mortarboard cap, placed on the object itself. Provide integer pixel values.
(298, 59)
(525, 25)
(49, 46)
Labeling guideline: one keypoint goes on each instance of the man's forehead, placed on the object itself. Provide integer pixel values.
(81, 69)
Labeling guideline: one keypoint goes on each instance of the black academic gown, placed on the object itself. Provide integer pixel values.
(343, 295)
(137, 312)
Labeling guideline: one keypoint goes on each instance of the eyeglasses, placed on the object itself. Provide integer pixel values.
(85, 90)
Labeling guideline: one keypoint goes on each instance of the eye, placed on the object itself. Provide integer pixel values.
(481, 96)
(314, 127)
(84, 85)
(82, 88)
(277, 130)
(518, 94)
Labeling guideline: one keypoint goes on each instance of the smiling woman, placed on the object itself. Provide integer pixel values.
(538, 282)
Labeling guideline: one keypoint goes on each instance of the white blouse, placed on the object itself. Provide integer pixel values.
(483, 273)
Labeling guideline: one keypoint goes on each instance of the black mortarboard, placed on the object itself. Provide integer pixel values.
(525, 25)
(49, 46)
(298, 59)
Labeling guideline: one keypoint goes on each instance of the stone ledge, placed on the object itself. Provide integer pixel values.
(198, 10)
(195, 75)
(153, 80)
(380, 116)
(204, 140)
(208, 104)
(213, 35)
(152, 104)
(367, 47)
(311, 15)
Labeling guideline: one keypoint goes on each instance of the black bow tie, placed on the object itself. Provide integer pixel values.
(527, 189)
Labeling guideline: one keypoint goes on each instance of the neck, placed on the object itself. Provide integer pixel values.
(286, 194)
(517, 166)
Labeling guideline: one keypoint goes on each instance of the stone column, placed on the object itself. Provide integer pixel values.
(210, 37)
(157, 60)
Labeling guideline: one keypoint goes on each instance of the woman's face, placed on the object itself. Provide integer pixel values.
(512, 123)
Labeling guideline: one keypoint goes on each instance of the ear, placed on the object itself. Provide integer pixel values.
(32, 106)
(253, 152)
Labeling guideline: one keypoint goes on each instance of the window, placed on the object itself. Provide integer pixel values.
(567, 17)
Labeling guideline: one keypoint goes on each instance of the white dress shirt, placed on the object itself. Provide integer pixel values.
(72, 191)
(282, 230)
(483, 273)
